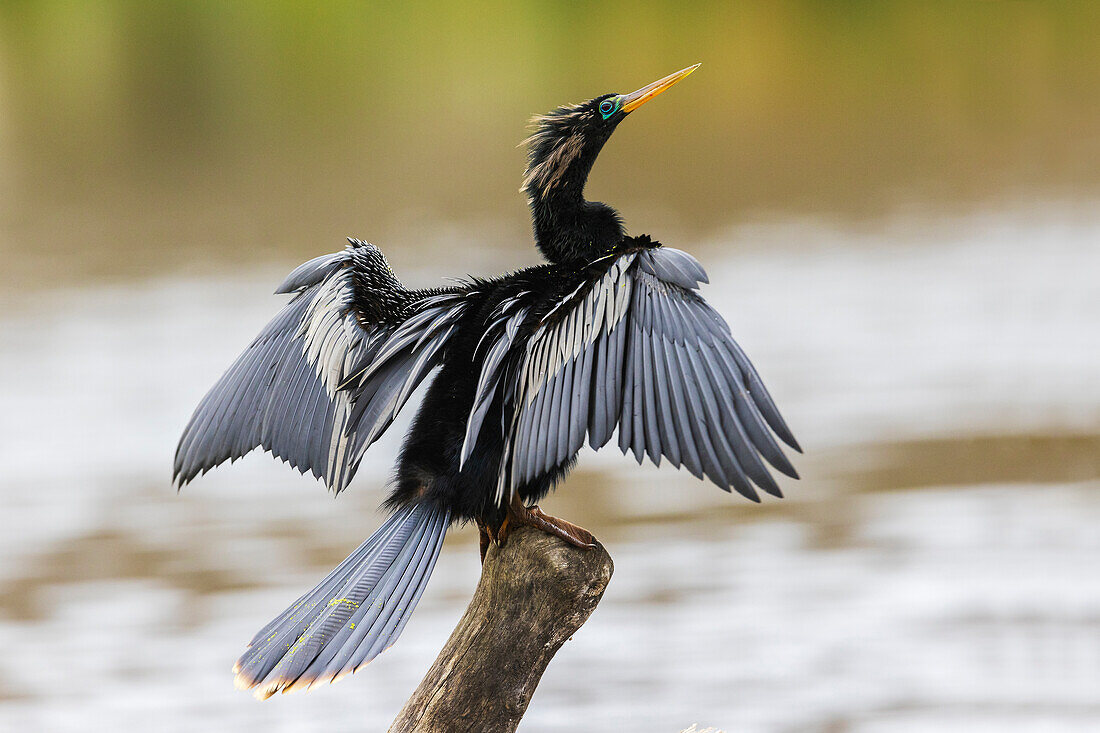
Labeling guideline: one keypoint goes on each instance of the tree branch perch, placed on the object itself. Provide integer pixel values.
(535, 592)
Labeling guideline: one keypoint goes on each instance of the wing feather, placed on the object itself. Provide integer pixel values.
(599, 422)
(688, 451)
(637, 349)
(580, 401)
(328, 374)
(551, 428)
(625, 418)
(726, 435)
(696, 434)
(563, 420)
(651, 417)
(735, 435)
(670, 446)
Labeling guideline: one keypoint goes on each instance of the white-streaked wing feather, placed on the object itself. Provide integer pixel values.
(324, 379)
(640, 350)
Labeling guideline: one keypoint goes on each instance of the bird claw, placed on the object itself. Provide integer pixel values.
(571, 533)
(485, 536)
(519, 514)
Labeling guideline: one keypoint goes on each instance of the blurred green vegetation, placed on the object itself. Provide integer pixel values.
(176, 132)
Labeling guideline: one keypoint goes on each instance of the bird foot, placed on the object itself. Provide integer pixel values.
(519, 514)
(571, 533)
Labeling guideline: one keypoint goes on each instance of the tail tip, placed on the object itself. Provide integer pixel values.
(260, 690)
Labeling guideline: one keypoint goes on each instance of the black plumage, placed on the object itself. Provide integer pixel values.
(609, 335)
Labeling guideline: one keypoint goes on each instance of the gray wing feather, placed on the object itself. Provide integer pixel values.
(540, 431)
(600, 425)
(556, 420)
(674, 266)
(322, 381)
(735, 437)
(670, 446)
(728, 454)
(637, 405)
(736, 396)
(688, 451)
(693, 436)
(310, 273)
(486, 391)
(639, 350)
(626, 410)
(611, 381)
(581, 399)
(654, 445)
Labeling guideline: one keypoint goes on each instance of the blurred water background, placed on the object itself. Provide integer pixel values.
(897, 204)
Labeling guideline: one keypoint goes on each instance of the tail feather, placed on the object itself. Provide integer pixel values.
(323, 590)
(352, 615)
(370, 631)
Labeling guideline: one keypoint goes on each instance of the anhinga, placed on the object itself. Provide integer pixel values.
(609, 335)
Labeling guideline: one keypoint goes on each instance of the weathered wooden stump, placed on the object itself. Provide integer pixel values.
(535, 592)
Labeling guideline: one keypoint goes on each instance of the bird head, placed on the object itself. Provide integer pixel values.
(560, 154)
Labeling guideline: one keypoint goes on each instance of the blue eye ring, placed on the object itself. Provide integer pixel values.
(609, 107)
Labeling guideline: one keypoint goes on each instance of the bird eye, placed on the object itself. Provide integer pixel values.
(608, 107)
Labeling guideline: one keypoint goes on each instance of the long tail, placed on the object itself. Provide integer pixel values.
(352, 615)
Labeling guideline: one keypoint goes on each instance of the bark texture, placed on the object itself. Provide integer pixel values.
(534, 593)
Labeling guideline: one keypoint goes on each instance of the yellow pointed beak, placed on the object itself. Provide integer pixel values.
(634, 100)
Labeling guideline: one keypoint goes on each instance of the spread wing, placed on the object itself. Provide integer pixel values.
(328, 374)
(638, 350)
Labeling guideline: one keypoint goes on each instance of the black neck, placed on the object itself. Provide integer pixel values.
(568, 228)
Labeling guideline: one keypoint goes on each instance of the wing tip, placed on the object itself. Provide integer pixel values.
(182, 475)
(773, 490)
(789, 471)
(775, 421)
(749, 493)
